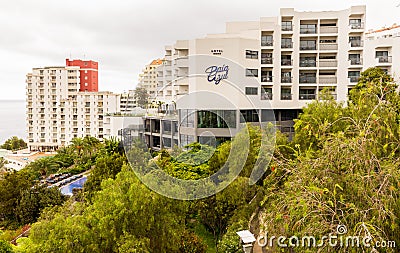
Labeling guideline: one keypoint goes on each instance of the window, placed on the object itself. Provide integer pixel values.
(286, 93)
(308, 78)
(308, 61)
(306, 94)
(308, 45)
(286, 77)
(308, 28)
(286, 43)
(251, 54)
(252, 72)
(249, 116)
(354, 76)
(266, 58)
(327, 41)
(267, 40)
(286, 60)
(186, 139)
(266, 93)
(287, 26)
(251, 90)
(216, 119)
(266, 76)
(355, 23)
(187, 117)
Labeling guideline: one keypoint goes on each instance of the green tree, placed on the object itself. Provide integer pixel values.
(141, 97)
(5, 247)
(14, 143)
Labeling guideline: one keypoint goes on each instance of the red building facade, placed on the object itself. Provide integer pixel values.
(88, 74)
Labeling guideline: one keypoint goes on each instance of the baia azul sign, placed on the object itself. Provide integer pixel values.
(216, 74)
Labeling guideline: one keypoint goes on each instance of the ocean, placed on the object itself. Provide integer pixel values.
(12, 119)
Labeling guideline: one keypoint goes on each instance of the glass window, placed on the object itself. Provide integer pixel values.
(251, 91)
(286, 43)
(249, 116)
(251, 54)
(308, 45)
(252, 72)
(187, 118)
(308, 28)
(287, 26)
(266, 40)
(216, 119)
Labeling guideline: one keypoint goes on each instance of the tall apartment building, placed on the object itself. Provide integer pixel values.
(148, 78)
(127, 102)
(88, 71)
(276, 64)
(58, 110)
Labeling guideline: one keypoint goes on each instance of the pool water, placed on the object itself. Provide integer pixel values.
(78, 184)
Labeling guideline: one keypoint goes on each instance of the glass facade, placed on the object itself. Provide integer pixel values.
(216, 119)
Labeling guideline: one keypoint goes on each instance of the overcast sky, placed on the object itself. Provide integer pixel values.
(123, 36)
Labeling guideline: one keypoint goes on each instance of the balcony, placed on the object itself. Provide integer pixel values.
(354, 79)
(287, 28)
(328, 79)
(308, 30)
(286, 79)
(286, 62)
(286, 96)
(266, 96)
(307, 96)
(356, 43)
(328, 29)
(306, 48)
(384, 59)
(357, 25)
(308, 63)
(266, 79)
(308, 79)
(267, 43)
(328, 63)
(287, 45)
(328, 46)
(355, 61)
(267, 60)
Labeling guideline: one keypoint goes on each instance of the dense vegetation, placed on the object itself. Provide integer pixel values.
(340, 169)
(14, 143)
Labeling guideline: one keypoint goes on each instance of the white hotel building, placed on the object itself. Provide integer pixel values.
(57, 111)
(276, 64)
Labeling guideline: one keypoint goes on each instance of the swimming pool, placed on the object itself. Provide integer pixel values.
(78, 184)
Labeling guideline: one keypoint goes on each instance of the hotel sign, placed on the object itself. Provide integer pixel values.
(216, 74)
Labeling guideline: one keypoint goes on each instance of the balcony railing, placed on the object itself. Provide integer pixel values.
(286, 96)
(328, 63)
(354, 79)
(355, 62)
(308, 30)
(287, 45)
(384, 59)
(327, 79)
(308, 47)
(286, 79)
(267, 43)
(308, 63)
(286, 62)
(308, 79)
(328, 29)
(307, 96)
(266, 78)
(328, 46)
(267, 60)
(287, 28)
(357, 25)
(266, 96)
(356, 43)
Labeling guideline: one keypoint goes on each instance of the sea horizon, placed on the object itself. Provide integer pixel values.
(13, 122)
